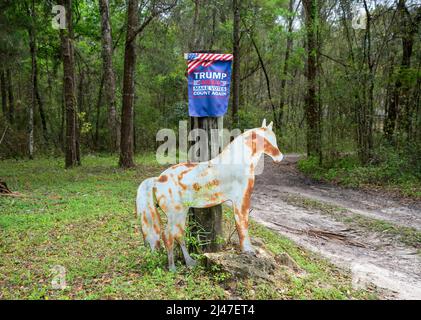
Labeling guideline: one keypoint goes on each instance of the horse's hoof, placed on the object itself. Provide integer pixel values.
(191, 263)
(172, 268)
(250, 251)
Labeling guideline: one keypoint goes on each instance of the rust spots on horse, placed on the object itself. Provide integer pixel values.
(185, 164)
(255, 142)
(215, 197)
(156, 228)
(245, 206)
(158, 244)
(270, 149)
(180, 177)
(240, 228)
(163, 178)
(258, 143)
(251, 142)
(145, 220)
(180, 229)
(212, 183)
(196, 186)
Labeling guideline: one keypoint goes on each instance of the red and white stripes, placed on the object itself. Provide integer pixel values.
(206, 59)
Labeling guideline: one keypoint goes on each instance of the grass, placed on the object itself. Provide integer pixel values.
(83, 220)
(394, 174)
(406, 235)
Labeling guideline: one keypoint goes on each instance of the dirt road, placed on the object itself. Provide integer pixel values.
(343, 225)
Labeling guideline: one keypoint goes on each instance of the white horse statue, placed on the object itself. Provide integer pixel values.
(228, 176)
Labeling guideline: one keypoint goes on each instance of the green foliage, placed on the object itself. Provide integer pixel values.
(397, 171)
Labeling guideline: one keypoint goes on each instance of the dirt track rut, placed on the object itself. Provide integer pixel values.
(372, 257)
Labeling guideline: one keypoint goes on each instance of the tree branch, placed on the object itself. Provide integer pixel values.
(155, 12)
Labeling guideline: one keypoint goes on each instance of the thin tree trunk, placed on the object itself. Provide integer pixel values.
(3, 93)
(35, 95)
(126, 144)
(107, 51)
(267, 79)
(311, 108)
(365, 111)
(236, 66)
(286, 66)
(66, 36)
(32, 47)
(40, 104)
(98, 111)
(11, 111)
(195, 27)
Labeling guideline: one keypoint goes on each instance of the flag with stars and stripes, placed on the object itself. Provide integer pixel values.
(209, 78)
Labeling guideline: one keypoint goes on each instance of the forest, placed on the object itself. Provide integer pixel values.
(86, 85)
(333, 91)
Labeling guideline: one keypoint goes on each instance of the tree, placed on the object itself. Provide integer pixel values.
(107, 52)
(311, 105)
(3, 93)
(133, 29)
(285, 70)
(126, 153)
(66, 35)
(10, 95)
(399, 99)
(32, 47)
(236, 61)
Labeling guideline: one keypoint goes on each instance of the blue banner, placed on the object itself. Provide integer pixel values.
(209, 79)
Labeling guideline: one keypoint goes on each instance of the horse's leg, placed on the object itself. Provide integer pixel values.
(241, 215)
(181, 224)
(169, 243)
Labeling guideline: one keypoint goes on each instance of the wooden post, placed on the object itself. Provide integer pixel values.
(206, 223)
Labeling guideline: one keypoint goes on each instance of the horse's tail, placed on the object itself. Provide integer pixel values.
(148, 214)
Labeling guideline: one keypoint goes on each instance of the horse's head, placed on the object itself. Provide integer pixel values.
(270, 146)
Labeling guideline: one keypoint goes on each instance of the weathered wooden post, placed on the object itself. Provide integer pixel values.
(206, 223)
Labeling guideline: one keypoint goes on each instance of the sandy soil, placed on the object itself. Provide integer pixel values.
(372, 257)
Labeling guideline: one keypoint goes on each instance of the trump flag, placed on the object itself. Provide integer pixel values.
(209, 78)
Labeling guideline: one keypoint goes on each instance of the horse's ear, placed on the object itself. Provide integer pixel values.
(264, 123)
(270, 125)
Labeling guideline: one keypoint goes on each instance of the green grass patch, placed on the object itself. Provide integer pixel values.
(83, 220)
(393, 174)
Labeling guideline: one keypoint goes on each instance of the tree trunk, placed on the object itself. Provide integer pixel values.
(236, 61)
(107, 52)
(286, 66)
(267, 79)
(40, 104)
(206, 223)
(32, 47)
(126, 144)
(365, 111)
(98, 111)
(399, 104)
(311, 108)
(194, 39)
(66, 36)
(3, 93)
(11, 110)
